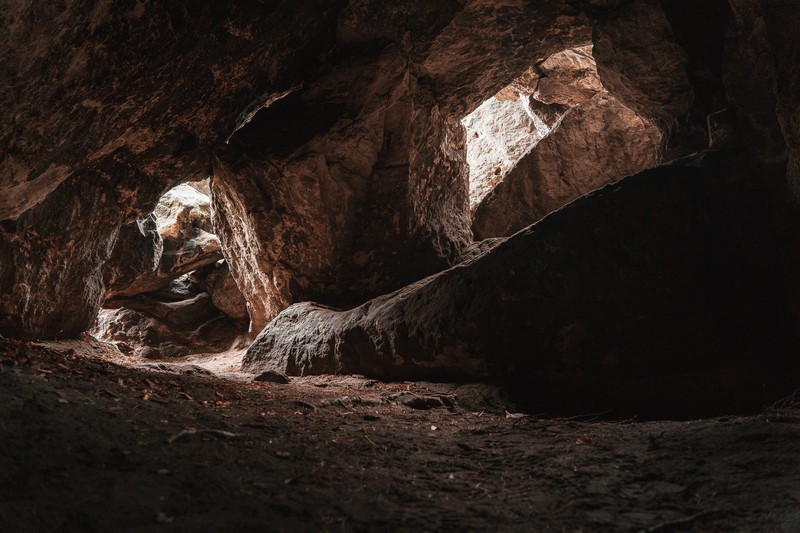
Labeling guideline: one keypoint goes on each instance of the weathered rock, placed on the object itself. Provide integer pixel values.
(271, 376)
(154, 329)
(192, 370)
(225, 294)
(183, 222)
(354, 184)
(627, 297)
(132, 103)
(640, 63)
(499, 133)
(51, 257)
(598, 142)
(568, 78)
(509, 125)
(137, 251)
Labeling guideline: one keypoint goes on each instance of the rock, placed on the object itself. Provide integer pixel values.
(192, 370)
(183, 222)
(137, 250)
(225, 294)
(331, 184)
(152, 329)
(585, 307)
(499, 133)
(51, 257)
(326, 219)
(423, 402)
(575, 159)
(568, 78)
(272, 377)
(509, 125)
(641, 64)
(91, 139)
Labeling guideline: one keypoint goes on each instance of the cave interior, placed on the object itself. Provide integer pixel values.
(433, 265)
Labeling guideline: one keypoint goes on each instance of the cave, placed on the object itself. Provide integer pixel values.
(444, 265)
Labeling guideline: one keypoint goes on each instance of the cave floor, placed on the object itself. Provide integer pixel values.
(88, 443)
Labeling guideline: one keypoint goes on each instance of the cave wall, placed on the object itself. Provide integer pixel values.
(356, 184)
(105, 106)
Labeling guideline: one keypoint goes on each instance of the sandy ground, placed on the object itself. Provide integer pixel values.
(92, 442)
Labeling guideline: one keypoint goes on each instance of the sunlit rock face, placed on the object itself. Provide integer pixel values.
(504, 128)
(184, 243)
(598, 142)
(500, 132)
(170, 293)
(548, 138)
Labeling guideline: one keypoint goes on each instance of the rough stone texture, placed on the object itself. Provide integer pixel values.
(640, 63)
(152, 328)
(65, 238)
(183, 223)
(586, 304)
(137, 250)
(499, 133)
(355, 184)
(225, 294)
(132, 102)
(575, 159)
(509, 125)
(568, 78)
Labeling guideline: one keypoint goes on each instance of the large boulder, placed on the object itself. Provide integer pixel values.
(656, 293)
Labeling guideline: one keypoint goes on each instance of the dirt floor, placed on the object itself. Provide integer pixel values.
(90, 442)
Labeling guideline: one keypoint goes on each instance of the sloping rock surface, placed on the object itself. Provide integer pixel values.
(660, 289)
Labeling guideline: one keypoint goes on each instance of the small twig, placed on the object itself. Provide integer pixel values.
(193, 431)
(666, 526)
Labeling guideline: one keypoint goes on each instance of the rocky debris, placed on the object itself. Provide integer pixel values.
(573, 160)
(272, 376)
(423, 403)
(192, 370)
(150, 329)
(189, 302)
(585, 309)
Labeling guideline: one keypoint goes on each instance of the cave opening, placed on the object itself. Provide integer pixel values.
(177, 301)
